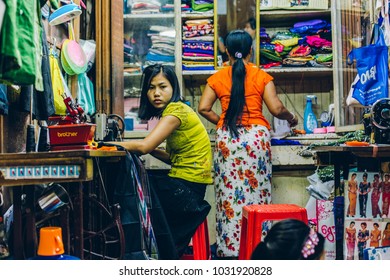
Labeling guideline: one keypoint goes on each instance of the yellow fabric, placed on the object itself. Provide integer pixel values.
(58, 86)
(189, 146)
(287, 42)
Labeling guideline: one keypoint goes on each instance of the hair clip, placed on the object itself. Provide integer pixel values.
(310, 244)
(238, 55)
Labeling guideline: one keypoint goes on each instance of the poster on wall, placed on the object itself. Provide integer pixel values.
(367, 223)
(326, 226)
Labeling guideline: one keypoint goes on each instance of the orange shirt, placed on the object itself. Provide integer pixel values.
(256, 79)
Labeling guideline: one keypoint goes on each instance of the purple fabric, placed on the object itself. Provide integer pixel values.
(309, 22)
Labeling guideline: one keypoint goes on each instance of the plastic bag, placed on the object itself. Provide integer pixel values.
(89, 47)
(58, 84)
(86, 94)
(371, 83)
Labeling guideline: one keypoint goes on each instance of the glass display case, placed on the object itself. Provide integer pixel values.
(188, 27)
(149, 37)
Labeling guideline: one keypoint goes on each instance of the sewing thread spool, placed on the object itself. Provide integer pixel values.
(30, 141)
(43, 145)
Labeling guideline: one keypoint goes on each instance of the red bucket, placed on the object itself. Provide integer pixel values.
(71, 134)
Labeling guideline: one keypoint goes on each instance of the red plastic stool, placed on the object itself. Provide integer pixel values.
(200, 244)
(253, 217)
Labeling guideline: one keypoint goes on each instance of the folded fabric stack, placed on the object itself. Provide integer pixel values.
(307, 43)
(198, 45)
(163, 45)
(202, 5)
(186, 6)
(144, 6)
(168, 8)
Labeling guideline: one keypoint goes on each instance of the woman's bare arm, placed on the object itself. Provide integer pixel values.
(276, 107)
(163, 129)
(206, 104)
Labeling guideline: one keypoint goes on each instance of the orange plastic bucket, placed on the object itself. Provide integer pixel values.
(50, 241)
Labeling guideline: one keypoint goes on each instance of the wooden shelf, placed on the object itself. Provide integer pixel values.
(148, 16)
(307, 71)
(129, 75)
(196, 15)
(285, 17)
(198, 73)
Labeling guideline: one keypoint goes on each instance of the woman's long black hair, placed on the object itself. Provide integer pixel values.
(146, 110)
(285, 241)
(238, 44)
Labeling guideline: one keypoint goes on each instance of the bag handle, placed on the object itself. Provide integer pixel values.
(71, 30)
(351, 57)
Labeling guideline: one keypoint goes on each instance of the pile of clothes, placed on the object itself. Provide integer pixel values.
(307, 43)
(198, 45)
(147, 6)
(162, 49)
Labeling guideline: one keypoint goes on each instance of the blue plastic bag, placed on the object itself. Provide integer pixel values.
(373, 71)
(86, 94)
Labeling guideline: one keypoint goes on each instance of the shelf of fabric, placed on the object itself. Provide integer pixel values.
(280, 17)
(148, 16)
(307, 71)
(196, 15)
(200, 73)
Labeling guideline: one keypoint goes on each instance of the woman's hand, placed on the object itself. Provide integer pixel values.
(293, 121)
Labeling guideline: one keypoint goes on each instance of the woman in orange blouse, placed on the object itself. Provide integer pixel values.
(242, 155)
(352, 195)
(375, 236)
(386, 235)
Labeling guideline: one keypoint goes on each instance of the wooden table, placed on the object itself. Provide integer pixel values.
(20, 170)
(342, 157)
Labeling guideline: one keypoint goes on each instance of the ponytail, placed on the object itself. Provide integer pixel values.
(237, 97)
(239, 43)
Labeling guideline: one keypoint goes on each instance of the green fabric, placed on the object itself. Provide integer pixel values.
(38, 47)
(20, 43)
(189, 146)
(10, 57)
(272, 55)
(202, 7)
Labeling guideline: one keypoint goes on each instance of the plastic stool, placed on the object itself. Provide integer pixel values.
(253, 217)
(200, 244)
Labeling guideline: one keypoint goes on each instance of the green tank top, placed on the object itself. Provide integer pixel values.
(189, 146)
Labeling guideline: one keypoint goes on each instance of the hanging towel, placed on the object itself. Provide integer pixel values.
(20, 43)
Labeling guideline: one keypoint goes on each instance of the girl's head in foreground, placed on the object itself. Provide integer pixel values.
(159, 87)
(290, 240)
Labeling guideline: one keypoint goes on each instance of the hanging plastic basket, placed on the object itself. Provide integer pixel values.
(64, 14)
(73, 58)
(64, 62)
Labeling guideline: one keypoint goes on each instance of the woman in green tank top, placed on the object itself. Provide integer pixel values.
(180, 192)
